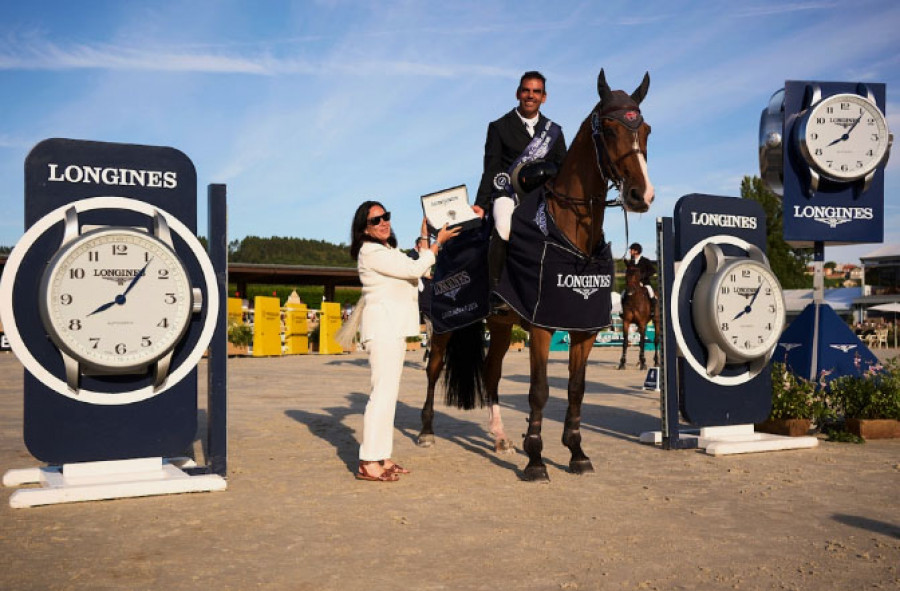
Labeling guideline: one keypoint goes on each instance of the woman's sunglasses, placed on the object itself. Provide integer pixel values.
(386, 216)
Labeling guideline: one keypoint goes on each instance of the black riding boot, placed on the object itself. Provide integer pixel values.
(496, 262)
(496, 259)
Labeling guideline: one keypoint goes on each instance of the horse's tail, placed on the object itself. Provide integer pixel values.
(464, 367)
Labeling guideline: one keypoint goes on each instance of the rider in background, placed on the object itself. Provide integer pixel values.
(507, 139)
(646, 267)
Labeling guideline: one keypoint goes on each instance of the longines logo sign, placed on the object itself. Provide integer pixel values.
(833, 216)
(723, 220)
(98, 175)
(450, 286)
(586, 285)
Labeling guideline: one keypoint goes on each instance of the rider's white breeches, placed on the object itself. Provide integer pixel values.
(503, 210)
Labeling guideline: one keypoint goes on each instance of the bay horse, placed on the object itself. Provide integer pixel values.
(576, 200)
(639, 310)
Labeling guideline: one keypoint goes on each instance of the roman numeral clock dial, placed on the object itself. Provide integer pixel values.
(738, 309)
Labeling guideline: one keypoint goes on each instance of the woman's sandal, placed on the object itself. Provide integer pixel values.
(386, 476)
(395, 468)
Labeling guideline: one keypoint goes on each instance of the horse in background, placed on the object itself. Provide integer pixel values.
(639, 310)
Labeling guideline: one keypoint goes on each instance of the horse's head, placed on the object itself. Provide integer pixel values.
(620, 138)
(632, 278)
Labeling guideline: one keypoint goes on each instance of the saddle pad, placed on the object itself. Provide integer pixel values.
(548, 281)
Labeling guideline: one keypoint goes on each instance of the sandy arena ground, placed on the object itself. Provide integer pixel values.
(294, 518)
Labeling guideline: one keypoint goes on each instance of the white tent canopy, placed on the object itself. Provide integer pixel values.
(889, 307)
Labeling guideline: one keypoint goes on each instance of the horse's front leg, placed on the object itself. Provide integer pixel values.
(624, 345)
(642, 357)
(433, 371)
(501, 333)
(579, 351)
(538, 394)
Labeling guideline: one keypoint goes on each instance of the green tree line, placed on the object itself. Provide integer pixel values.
(289, 251)
(788, 264)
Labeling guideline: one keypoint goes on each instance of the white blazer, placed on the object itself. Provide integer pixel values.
(390, 289)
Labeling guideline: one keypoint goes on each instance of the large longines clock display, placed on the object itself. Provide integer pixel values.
(824, 146)
(738, 309)
(117, 301)
(726, 310)
(843, 137)
(109, 300)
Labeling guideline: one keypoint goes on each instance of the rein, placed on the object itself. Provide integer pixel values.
(629, 117)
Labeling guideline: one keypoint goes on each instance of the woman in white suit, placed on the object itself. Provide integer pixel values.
(388, 312)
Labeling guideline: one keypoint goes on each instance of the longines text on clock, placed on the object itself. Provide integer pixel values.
(98, 175)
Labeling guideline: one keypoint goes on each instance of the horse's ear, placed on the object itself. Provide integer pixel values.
(639, 94)
(603, 88)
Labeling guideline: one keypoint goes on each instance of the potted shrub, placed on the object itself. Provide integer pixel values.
(413, 343)
(870, 404)
(517, 338)
(796, 403)
(240, 337)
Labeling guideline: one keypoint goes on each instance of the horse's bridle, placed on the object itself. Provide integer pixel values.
(629, 116)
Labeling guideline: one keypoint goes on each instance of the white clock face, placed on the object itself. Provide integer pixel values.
(116, 299)
(844, 137)
(749, 309)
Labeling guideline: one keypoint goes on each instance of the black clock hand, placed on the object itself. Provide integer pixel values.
(846, 135)
(134, 281)
(756, 293)
(120, 299)
(749, 305)
(105, 306)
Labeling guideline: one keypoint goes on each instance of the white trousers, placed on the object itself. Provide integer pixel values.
(386, 357)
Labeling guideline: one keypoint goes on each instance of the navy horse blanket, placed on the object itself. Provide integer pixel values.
(548, 281)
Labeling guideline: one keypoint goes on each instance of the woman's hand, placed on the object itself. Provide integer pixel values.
(444, 234)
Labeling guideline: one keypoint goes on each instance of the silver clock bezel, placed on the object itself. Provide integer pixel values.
(720, 350)
(89, 365)
(36, 368)
(771, 144)
(677, 321)
(823, 171)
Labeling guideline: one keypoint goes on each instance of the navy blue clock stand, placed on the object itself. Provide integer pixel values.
(719, 411)
(117, 435)
(818, 345)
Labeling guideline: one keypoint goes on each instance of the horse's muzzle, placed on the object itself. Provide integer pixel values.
(638, 200)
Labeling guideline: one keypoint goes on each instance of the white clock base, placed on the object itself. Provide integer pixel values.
(736, 439)
(95, 481)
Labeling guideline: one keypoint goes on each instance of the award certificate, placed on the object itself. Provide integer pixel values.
(451, 207)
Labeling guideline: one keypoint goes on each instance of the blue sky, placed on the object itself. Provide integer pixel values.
(304, 109)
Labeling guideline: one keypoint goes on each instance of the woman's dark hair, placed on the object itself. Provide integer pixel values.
(358, 229)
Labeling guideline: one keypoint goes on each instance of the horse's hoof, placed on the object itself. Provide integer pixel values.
(504, 446)
(536, 474)
(581, 467)
(621, 366)
(425, 440)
